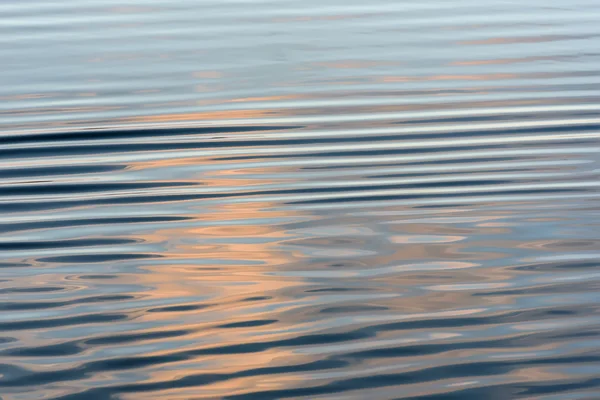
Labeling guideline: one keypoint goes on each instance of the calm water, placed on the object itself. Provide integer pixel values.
(299, 199)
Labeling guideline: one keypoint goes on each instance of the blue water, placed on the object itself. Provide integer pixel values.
(299, 200)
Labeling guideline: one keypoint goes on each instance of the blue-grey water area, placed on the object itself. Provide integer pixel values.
(288, 199)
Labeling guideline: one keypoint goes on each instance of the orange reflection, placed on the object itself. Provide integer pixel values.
(208, 74)
(28, 96)
(227, 255)
(266, 98)
(482, 77)
(227, 114)
(523, 39)
(501, 61)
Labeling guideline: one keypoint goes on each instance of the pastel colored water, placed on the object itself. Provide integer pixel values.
(299, 200)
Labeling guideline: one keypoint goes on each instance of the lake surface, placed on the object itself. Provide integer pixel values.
(299, 200)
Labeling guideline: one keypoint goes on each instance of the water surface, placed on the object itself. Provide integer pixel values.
(299, 200)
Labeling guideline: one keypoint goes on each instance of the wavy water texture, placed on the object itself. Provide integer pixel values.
(299, 200)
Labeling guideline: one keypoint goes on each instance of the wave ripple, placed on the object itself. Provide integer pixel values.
(299, 200)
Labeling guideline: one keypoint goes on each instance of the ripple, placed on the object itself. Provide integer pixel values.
(342, 200)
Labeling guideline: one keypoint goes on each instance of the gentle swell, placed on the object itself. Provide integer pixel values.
(304, 200)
